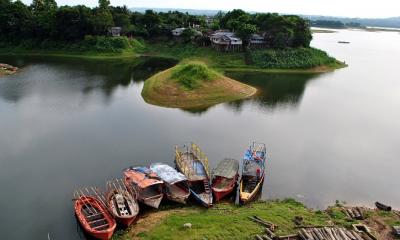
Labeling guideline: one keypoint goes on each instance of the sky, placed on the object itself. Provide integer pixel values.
(342, 8)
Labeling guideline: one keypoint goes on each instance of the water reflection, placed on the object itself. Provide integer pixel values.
(85, 76)
(71, 75)
(284, 89)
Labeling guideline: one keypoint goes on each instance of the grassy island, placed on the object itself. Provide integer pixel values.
(193, 85)
(228, 221)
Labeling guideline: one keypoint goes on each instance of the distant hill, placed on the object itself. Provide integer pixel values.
(393, 22)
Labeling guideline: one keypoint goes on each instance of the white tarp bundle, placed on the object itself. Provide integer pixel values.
(167, 173)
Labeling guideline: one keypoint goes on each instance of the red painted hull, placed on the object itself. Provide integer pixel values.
(103, 234)
(220, 193)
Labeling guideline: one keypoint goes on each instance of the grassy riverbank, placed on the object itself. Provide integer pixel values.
(99, 47)
(193, 84)
(228, 221)
(270, 60)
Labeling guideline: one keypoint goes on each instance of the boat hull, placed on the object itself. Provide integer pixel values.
(178, 199)
(98, 234)
(126, 220)
(245, 197)
(201, 200)
(153, 202)
(220, 193)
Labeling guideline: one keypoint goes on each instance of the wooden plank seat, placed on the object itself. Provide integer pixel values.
(94, 217)
(101, 227)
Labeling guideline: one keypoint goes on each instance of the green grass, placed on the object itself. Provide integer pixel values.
(271, 60)
(267, 60)
(226, 221)
(191, 75)
(293, 58)
(91, 47)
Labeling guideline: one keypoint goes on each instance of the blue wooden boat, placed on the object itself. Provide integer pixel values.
(253, 172)
(193, 163)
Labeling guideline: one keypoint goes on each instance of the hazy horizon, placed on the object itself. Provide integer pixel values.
(339, 8)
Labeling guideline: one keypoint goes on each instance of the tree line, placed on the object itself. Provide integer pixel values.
(45, 20)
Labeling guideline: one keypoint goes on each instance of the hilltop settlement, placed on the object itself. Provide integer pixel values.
(239, 39)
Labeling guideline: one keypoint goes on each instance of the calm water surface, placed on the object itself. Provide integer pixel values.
(71, 123)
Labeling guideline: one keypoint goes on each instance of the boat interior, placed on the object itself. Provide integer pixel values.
(150, 191)
(122, 206)
(94, 217)
(249, 183)
(221, 182)
(179, 189)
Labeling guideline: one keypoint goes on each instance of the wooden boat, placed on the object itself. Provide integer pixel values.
(120, 202)
(93, 216)
(146, 184)
(225, 177)
(383, 207)
(253, 172)
(193, 163)
(176, 185)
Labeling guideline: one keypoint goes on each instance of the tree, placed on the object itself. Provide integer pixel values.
(302, 34)
(104, 4)
(103, 18)
(121, 18)
(15, 19)
(245, 30)
(73, 23)
(44, 12)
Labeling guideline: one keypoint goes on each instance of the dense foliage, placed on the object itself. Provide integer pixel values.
(290, 58)
(335, 24)
(101, 44)
(43, 20)
(280, 31)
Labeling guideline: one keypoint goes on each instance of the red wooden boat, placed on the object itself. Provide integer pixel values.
(225, 177)
(93, 216)
(121, 204)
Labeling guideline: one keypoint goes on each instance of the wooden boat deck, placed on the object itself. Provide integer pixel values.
(196, 170)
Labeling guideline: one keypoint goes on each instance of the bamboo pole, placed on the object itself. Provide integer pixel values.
(85, 201)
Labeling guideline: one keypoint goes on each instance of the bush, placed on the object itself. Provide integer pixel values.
(291, 58)
(89, 43)
(191, 75)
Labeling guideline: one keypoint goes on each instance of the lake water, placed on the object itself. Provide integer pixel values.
(71, 123)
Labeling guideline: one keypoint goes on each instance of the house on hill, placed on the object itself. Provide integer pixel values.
(115, 31)
(209, 21)
(178, 31)
(225, 41)
(257, 41)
